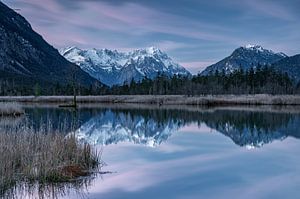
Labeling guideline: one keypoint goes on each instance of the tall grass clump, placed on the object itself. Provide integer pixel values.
(42, 157)
(10, 109)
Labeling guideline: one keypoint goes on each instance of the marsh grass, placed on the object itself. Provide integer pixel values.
(211, 100)
(10, 109)
(42, 157)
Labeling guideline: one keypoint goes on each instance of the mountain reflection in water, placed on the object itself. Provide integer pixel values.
(179, 162)
(151, 127)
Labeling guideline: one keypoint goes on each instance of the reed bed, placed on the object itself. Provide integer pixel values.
(211, 100)
(11, 109)
(42, 157)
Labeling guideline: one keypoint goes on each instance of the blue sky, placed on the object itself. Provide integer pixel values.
(195, 33)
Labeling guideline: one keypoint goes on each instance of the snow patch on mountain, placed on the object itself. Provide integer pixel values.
(255, 47)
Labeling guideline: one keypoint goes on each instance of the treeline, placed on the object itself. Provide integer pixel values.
(219, 119)
(12, 87)
(262, 80)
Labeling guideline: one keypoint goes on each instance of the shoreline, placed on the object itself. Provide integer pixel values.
(207, 100)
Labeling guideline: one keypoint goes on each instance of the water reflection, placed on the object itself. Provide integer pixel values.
(190, 161)
(114, 126)
(151, 127)
(254, 128)
(57, 119)
(49, 190)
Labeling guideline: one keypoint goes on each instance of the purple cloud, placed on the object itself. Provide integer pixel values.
(182, 29)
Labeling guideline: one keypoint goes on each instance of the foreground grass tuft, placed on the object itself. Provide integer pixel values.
(43, 158)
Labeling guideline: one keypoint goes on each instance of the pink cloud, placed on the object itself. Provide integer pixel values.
(129, 18)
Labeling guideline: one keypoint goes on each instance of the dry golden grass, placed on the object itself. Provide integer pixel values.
(260, 99)
(43, 157)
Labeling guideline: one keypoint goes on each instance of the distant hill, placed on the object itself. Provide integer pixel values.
(290, 65)
(26, 58)
(245, 58)
(115, 68)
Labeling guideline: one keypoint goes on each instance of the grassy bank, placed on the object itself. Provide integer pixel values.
(165, 99)
(43, 157)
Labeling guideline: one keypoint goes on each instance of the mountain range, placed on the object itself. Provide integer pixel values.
(116, 68)
(26, 58)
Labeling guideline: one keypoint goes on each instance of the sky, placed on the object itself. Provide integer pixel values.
(195, 33)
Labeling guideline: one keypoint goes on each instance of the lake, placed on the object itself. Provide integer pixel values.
(182, 152)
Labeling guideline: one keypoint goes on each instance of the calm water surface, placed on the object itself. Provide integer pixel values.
(186, 153)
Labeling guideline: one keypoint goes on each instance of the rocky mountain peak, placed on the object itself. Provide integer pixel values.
(115, 68)
(245, 57)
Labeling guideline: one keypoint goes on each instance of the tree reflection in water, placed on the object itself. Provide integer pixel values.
(252, 127)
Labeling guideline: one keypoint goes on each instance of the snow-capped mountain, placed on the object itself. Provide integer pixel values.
(114, 127)
(245, 58)
(116, 68)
